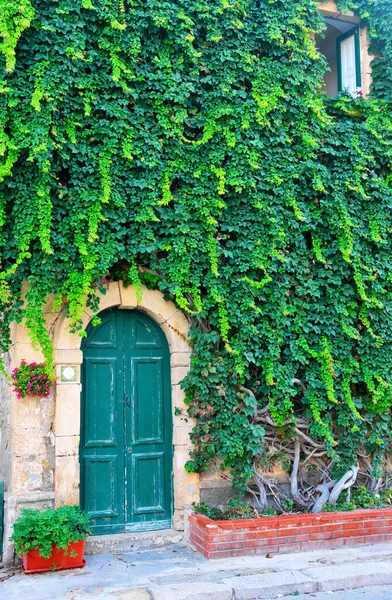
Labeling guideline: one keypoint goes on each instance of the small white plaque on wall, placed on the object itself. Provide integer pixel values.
(68, 373)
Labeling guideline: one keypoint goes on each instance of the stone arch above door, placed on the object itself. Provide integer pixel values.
(67, 347)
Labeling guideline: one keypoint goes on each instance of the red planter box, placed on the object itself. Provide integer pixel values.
(33, 562)
(289, 533)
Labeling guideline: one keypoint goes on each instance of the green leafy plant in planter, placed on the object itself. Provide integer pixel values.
(360, 498)
(31, 379)
(36, 530)
(234, 509)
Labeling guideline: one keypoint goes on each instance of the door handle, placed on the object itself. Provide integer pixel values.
(127, 401)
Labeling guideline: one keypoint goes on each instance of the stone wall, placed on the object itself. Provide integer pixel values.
(216, 488)
(26, 444)
(5, 427)
(41, 435)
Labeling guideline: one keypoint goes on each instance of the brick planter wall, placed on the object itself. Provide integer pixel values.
(290, 533)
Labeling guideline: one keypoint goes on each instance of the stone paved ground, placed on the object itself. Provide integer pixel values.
(178, 573)
(378, 592)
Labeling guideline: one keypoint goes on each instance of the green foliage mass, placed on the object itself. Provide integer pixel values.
(191, 139)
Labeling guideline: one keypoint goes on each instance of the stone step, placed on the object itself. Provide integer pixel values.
(121, 543)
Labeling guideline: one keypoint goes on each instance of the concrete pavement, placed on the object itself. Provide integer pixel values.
(178, 573)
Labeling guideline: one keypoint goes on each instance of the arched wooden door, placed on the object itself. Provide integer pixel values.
(126, 424)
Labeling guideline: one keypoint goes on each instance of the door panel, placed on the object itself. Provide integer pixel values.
(147, 395)
(101, 410)
(99, 471)
(145, 335)
(104, 335)
(126, 427)
(149, 483)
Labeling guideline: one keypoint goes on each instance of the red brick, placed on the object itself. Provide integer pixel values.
(243, 524)
(269, 550)
(195, 540)
(373, 539)
(290, 548)
(381, 528)
(212, 528)
(244, 552)
(332, 527)
(220, 554)
(367, 531)
(225, 524)
(376, 513)
(354, 541)
(211, 547)
(353, 525)
(288, 532)
(272, 522)
(265, 534)
(220, 537)
(280, 540)
(260, 544)
(352, 533)
(199, 530)
(297, 519)
(273, 541)
(374, 523)
(203, 520)
(322, 544)
(333, 518)
(311, 529)
(321, 536)
(198, 547)
(243, 535)
(299, 538)
(192, 518)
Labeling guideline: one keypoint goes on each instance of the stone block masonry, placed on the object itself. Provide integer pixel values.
(288, 533)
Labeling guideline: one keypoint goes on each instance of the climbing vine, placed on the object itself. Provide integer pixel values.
(188, 146)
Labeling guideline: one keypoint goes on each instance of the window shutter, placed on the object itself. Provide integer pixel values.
(349, 65)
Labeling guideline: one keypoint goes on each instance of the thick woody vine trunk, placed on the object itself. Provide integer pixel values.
(294, 477)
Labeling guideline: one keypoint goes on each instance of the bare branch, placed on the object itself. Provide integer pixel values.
(345, 482)
(294, 476)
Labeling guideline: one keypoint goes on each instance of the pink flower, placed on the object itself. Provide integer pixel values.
(19, 396)
(33, 364)
(29, 384)
(39, 376)
(34, 378)
(15, 371)
(14, 377)
(38, 387)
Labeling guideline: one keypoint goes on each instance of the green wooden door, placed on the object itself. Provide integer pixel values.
(126, 425)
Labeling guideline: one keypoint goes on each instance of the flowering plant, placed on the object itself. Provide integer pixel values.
(31, 380)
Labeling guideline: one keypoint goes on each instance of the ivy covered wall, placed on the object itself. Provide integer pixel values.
(187, 145)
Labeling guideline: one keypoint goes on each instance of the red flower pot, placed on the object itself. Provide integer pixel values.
(33, 562)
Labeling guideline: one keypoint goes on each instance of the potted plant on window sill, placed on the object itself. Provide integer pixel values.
(52, 540)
